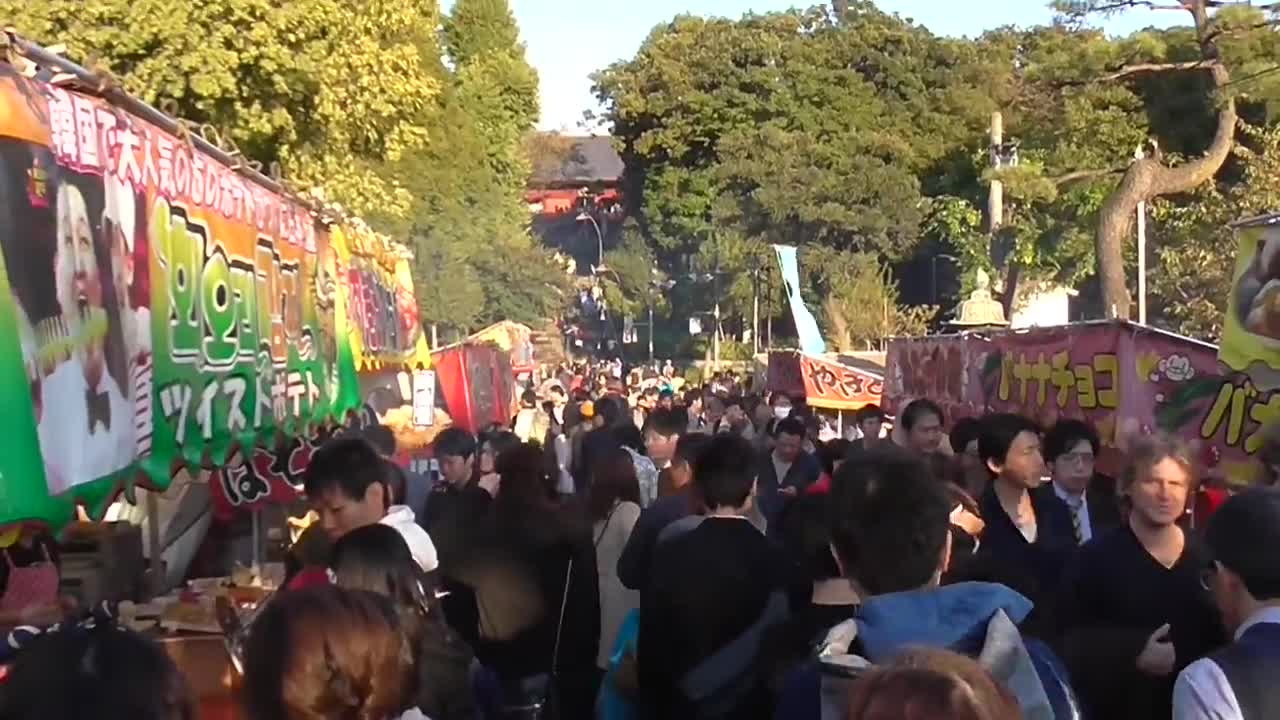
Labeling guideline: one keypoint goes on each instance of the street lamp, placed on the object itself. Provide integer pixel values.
(584, 215)
(933, 286)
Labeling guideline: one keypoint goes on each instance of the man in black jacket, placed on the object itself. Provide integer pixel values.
(1070, 448)
(715, 589)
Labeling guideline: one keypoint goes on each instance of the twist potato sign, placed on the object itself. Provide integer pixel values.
(158, 308)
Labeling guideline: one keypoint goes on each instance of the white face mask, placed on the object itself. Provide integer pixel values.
(782, 412)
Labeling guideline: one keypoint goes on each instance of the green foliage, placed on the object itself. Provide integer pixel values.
(859, 304)
(1192, 242)
(274, 79)
(788, 127)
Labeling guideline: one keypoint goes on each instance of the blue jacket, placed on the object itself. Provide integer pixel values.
(976, 619)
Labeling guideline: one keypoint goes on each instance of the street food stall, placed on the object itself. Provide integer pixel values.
(1124, 379)
(169, 312)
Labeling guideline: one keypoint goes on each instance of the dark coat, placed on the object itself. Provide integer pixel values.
(1104, 506)
(803, 473)
(1032, 569)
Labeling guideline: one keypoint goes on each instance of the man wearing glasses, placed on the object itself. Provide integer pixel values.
(1238, 682)
(1070, 448)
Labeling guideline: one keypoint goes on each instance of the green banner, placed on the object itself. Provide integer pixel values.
(167, 308)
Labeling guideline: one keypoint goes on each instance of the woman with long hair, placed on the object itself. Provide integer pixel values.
(613, 506)
(376, 558)
(325, 653)
(532, 569)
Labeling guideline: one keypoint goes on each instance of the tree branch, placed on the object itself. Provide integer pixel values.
(1148, 4)
(1080, 175)
(1141, 68)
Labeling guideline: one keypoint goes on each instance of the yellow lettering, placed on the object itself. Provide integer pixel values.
(1217, 413)
(1062, 378)
(1109, 364)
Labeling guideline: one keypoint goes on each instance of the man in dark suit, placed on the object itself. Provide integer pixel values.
(1071, 447)
(785, 471)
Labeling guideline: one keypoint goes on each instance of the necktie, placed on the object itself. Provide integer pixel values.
(99, 406)
(1075, 503)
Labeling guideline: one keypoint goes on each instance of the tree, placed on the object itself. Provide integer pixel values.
(787, 126)
(469, 221)
(860, 306)
(273, 80)
(1149, 177)
(1192, 236)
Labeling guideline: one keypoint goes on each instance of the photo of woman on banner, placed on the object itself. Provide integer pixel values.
(87, 425)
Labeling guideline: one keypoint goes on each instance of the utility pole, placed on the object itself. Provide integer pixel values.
(1142, 251)
(755, 311)
(650, 322)
(715, 331)
(995, 196)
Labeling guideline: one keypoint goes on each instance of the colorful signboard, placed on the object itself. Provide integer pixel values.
(1251, 329)
(1124, 379)
(822, 382)
(265, 476)
(380, 307)
(161, 308)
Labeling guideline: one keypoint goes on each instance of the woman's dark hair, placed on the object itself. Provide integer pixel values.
(325, 653)
(805, 531)
(105, 673)
(527, 483)
(628, 435)
(499, 442)
(831, 452)
(945, 468)
(964, 431)
(924, 684)
(613, 479)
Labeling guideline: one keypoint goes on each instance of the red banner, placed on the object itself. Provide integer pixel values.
(266, 476)
(835, 386)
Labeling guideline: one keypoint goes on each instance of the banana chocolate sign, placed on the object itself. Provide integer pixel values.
(158, 308)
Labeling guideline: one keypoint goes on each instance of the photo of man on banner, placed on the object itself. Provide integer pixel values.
(87, 424)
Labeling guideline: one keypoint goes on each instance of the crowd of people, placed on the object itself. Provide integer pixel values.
(645, 550)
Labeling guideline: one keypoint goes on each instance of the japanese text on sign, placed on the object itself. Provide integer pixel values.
(1092, 385)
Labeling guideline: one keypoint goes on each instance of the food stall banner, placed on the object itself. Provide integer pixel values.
(1251, 329)
(383, 328)
(159, 307)
(264, 476)
(1124, 379)
(834, 386)
(824, 382)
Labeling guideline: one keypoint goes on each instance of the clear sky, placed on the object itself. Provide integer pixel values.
(567, 40)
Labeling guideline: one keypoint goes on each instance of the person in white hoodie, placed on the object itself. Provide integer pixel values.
(350, 485)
